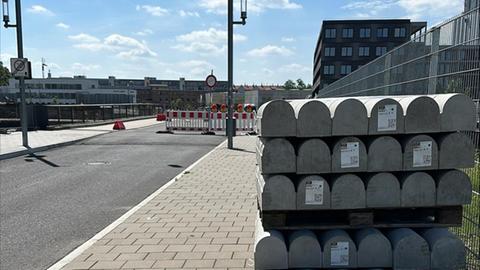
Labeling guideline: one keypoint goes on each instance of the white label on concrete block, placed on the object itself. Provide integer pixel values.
(339, 254)
(314, 192)
(349, 155)
(387, 118)
(422, 154)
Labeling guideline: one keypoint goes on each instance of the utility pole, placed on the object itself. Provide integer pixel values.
(231, 22)
(18, 26)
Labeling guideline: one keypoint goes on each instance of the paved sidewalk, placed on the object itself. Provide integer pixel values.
(203, 220)
(12, 143)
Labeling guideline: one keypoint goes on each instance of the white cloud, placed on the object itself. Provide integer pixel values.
(294, 68)
(270, 50)
(38, 9)
(78, 67)
(184, 13)
(257, 6)
(145, 32)
(62, 25)
(197, 68)
(288, 39)
(123, 46)
(153, 10)
(205, 42)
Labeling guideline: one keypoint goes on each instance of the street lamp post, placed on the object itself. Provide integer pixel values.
(231, 22)
(18, 26)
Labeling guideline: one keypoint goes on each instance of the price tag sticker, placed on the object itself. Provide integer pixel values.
(422, 154)
(314, 192)
(350, 155)
(387, 118)
(339, 252)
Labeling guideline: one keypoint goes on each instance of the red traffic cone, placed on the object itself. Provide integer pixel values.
(118, 125)
(161, 117)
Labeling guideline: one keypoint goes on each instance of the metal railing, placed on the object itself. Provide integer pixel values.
(445, 59)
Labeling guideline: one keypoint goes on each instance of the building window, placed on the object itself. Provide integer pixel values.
(330, 33)
(347, 33)
(347, 51)
(380, 51)
(329, 70)
(345, 69)
(364, 51)
(364, 32)
(382, 32)
(330, 51)
(400, 32)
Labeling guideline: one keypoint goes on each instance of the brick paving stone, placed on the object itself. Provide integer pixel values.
(204, 220)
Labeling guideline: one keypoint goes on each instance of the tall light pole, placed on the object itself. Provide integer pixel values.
(18, 26)
(231, 22)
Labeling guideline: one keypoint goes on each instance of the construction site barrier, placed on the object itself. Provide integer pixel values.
(208, 121)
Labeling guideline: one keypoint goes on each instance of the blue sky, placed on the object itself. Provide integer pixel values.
(169, 39)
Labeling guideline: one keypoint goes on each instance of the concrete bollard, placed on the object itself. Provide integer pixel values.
(313, 118)
(347, 192)
(384, 154)
(349, 154)
(455, 150)
(410, 250)
(270, 249)
(373, 249)
(420, 152)
(313, 192)
(276, 119)
(422, 114)
(453, 188)
(339, 251)
(385, 115)
(276, 156)
(276, 193)
(304, 250)
(313, 156)
(418, 190)
(382, 190)
(447, 250)
(349, 116)
(457, 112)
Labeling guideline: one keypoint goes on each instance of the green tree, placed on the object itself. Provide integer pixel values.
(300, 84)
(309, 86)
(289, 85)
(4, 75)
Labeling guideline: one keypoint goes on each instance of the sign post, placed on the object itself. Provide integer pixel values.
(211, 82)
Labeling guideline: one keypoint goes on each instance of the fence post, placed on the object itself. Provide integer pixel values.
(72, 114)
(58, 115)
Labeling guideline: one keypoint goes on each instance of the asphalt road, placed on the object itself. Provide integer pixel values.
(52, 203)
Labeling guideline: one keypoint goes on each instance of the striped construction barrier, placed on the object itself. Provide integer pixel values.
(208, 121)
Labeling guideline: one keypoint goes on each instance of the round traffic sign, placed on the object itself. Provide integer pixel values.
(211, 81)
(19, 65)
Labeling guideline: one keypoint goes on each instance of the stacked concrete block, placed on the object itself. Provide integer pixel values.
(362, 159)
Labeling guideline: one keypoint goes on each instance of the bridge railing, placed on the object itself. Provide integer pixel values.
(445, 59)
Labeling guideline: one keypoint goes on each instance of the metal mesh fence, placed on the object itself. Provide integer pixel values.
(445, 59)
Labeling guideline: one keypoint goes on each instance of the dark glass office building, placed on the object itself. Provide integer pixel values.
(345, 45)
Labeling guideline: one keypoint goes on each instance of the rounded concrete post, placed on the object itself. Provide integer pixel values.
(455, 150)
(276, 193)
(347, 192)
(270, 249)
(457, 112)
(373, 249)
(276, 119)
(420, 152)
(410, 250)
(304, 251)
(349, 154)
(313, 118)
(313, 192)
(418, 190)
(349, 116)
(422, 114)
(384, 154)
(447, 250)
(382, 190)
(339, 251)
(453, 188)
(276, 156)
(385, 115)
(313, 156)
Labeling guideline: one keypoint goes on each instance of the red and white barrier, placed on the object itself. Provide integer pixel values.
(205, 121)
